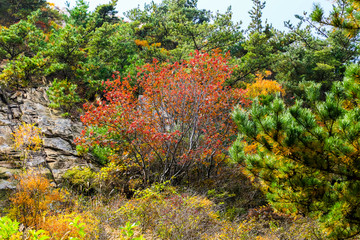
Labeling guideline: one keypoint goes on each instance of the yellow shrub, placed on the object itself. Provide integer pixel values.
(170, 215)
(263, 87)
(61, 226)
(32, 198)
(27, 137)
(142, 43)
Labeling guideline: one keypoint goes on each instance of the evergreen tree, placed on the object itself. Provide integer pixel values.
(321, 60)
(306, 157)
(12, 11)
(345, 15)
(174, 28)
(106, 13)
(20, 9)
(256, 17)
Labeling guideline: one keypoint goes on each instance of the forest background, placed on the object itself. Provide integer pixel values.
(276, 12)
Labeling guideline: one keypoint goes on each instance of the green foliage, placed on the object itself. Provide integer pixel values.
(62, 95)
(168, 214)
(317, 15)
(256, 15)
(295, 56)
(173, 29)
(258, 53)
(24, 71)
(102, 154)
(21, 9)
(14, 10)
(344, 15)
(78, 15)
(21, 45)
(110, 49)
(128, 231)
(80, 179)
(80, 227)
(306, 154)
(90, 48)
(22, 37)
(83, 53)
(8, 228)
(312, 59)
(65, 52)
(106, 13)
(38, 235)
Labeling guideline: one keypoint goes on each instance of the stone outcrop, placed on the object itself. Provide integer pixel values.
(31, 106)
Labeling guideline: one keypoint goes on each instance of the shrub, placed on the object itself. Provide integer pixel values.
(73, 225)
(33, 198)
(62, 95)
(9, 229)
(80, 179)
(24, 71)
(128, 232)
(300, 229)
(113, 178)
(168, 214)
(180, 122)
(27, 138)
(263, 87)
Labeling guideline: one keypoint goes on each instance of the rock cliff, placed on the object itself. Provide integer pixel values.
(31, 106)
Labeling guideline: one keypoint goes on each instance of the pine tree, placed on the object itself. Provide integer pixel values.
(12, 11)
(306, 157)
(344, 15)
(256, 24)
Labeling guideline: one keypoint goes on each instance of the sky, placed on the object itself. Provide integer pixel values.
(276, 11)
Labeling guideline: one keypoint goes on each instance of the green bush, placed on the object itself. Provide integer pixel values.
(169, 214)
(8, 228)
(80, 179)
(62, 95)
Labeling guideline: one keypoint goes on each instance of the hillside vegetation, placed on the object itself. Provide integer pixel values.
(194, 126)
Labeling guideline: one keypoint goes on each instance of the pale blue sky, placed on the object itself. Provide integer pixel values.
(276, 11)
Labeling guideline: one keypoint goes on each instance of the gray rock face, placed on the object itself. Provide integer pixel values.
(4, 184)
(31, 106)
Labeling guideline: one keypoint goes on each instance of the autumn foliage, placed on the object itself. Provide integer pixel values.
(74, 225)
(27, 138)
(33, 198)
(175, 119)
(262, 86)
